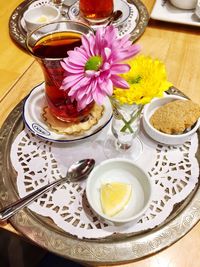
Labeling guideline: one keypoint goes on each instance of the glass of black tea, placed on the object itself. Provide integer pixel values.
(49, 44)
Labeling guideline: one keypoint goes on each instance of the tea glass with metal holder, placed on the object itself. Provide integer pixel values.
(96, 12)
(49, 44)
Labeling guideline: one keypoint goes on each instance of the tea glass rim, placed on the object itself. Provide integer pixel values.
(28, 47)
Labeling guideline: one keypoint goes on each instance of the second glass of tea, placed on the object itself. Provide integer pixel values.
(96, 11)
(49, 44)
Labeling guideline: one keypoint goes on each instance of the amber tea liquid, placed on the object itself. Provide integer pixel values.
(50, 50)
(96, 10)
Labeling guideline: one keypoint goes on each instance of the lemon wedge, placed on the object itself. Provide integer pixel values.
(114, 197)
(42, 19)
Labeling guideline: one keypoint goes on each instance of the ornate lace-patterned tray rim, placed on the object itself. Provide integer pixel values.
(33, 107)
(44, 233)
(18, 32)
(165, 11)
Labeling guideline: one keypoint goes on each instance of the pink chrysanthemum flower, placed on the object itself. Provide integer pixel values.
(92, 69)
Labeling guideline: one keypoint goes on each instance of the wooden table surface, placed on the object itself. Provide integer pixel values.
(177, 45)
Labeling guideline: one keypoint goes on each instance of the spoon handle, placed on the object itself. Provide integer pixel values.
(13, 208)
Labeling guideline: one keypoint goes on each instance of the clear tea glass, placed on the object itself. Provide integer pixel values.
(49, 44)
(96, 11)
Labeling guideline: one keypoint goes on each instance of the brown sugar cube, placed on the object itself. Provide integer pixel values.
(176, 116)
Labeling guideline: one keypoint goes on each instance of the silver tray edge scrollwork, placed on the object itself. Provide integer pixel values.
(18, 34)
(87, 251)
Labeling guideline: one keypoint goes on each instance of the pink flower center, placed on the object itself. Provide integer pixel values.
(94, 63)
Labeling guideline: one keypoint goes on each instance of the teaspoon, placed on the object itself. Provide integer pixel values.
(115, 17)
(76, 172)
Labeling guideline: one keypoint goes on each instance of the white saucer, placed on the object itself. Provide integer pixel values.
(165, 11)
(32, 111)
(118, 5)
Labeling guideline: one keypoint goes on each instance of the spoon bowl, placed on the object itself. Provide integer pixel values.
(76, 172)
(80, 169)
(117, 14)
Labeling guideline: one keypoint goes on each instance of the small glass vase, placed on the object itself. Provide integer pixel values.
(125, 127)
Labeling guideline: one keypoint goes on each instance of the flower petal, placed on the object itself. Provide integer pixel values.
(86, 44)
(71, 80)
(99, 95)
(82, 83)
(107, 87)
(107, 52)
(77, 61)
(120, 68)
(119, 82)
(86, 86)
(71, 68)
(128, 53)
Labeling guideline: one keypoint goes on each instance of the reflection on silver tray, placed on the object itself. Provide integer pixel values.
(45, 233)
(18, 32)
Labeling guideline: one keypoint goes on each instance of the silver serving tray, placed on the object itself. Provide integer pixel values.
(112, 250)
(18, 33)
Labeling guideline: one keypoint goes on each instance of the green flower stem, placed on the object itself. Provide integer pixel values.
(126, 126)
(127, 123)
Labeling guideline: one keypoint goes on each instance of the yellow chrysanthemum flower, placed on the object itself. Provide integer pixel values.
(147, 79)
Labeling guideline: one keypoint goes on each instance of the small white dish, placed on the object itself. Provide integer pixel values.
(33, 106)
(120, 170)
(38, 16)
(169, 139)
(184, 4)
(163, 10)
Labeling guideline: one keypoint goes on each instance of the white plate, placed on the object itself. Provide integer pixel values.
(33, 106)
(165, 11)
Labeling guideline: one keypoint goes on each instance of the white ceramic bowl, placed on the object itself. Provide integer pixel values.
(38, 16)
(184, 4)
(170, 139)
(120, 170)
